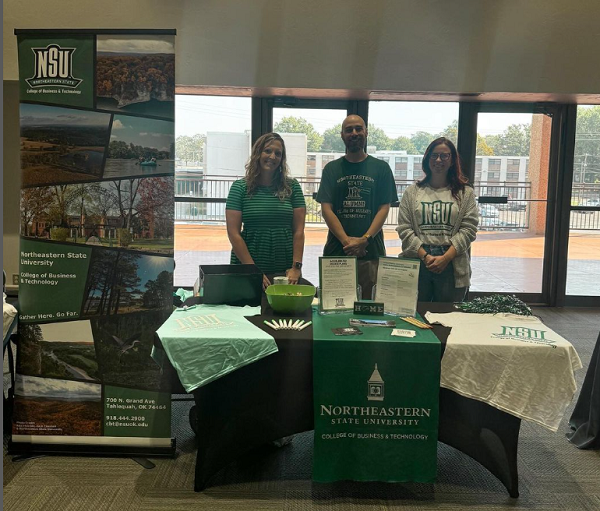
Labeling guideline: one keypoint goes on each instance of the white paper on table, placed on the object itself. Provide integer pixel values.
(398, 285)
(338, 282)
(400, 332)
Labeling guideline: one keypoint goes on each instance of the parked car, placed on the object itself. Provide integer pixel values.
(488, 211)
(516, 206)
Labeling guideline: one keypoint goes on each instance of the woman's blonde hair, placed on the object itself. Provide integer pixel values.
(281, 181)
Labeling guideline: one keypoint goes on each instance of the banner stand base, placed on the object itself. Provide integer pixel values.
(24, 450)
(144, 462)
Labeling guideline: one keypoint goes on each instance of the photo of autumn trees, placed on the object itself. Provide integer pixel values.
(46, 406)
(136, 75)
(129, 213)
(61, 145)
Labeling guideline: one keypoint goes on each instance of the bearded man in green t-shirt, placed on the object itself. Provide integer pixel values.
(355, 195)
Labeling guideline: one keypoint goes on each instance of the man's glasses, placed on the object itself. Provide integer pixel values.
(441, 156)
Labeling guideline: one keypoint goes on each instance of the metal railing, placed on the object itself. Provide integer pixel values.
(207, 196)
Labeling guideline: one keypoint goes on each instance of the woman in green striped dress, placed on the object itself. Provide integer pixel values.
(265, 213)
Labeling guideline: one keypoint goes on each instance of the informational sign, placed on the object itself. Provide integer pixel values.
(337, 283)
(96, 252)
(375, 403)
(398, 285)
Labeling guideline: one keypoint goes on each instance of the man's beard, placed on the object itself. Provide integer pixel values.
(354, 147)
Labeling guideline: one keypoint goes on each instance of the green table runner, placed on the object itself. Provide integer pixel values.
(375, 402)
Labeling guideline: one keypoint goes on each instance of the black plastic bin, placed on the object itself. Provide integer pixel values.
(231, 284)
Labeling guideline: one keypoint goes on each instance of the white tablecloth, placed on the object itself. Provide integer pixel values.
(514, 363)
(8, 313)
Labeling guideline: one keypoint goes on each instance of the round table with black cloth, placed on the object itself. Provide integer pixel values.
(585, 420)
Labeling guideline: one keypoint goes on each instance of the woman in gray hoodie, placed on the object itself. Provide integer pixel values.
(437, 223)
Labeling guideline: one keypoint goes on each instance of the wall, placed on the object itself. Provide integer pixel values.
(11, 180)
(226, 153)
(295, 148)
(402, 45)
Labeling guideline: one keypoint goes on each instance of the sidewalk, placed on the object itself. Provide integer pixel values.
(584, 245)
(501, 261)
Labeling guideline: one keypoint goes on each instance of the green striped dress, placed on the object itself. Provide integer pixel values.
(266, 224)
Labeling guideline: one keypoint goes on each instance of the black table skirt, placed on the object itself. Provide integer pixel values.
(273, 398)
(585, 420)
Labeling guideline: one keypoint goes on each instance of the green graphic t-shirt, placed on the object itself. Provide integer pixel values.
(356, 191)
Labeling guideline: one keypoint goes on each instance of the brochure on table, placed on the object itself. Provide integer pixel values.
(398, 285)
(337, 283)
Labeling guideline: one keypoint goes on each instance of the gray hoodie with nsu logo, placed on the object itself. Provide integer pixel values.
(463, 233)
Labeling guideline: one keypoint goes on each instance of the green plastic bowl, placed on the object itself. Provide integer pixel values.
(284, 298)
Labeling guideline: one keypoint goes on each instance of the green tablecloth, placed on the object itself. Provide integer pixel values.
(375, 403)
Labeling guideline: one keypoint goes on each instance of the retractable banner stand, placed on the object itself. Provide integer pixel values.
(96, 253)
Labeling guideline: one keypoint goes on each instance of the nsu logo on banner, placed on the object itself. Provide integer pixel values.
(53, 66)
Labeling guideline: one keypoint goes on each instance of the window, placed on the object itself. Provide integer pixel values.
(512, 176)
(401, 163)
(585, 224)
(325, 159)
(494, 164)
(212, 146)
(493, 176)
(409, 127)
(478, 163)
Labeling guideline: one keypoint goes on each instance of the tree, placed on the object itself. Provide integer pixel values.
(190, 148)
(292, 124)
(159, 292)
(34, 202)
(587, 144)
(63, 198)
(421, 139)
(156, 203)
(126, 193)
(332, 140)
(404, 144)
(451, 132)
(514, 141)
(483, 149)
(378, 138)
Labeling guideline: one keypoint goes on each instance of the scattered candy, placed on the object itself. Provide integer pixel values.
(495, 304)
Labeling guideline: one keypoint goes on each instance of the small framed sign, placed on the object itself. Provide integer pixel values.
(369, 308)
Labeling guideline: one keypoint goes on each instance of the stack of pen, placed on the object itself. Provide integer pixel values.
(287, 324)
